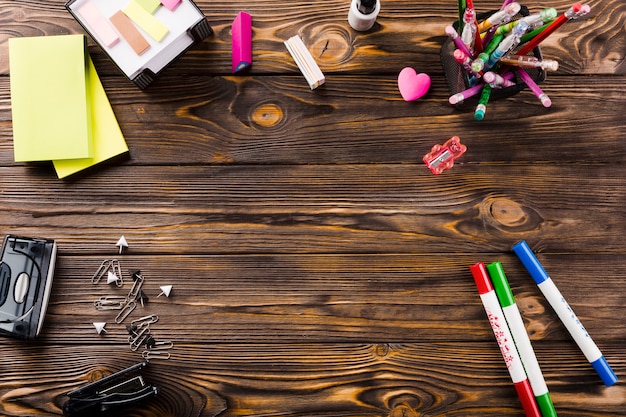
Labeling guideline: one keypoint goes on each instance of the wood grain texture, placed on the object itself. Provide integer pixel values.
(326, 298)
(273, 120)
(404, 33)
(381, 379)
(319, 268)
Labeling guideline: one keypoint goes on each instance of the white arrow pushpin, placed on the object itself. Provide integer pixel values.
(122, 243)
(165, 290)
(112, 278)
(100, 327)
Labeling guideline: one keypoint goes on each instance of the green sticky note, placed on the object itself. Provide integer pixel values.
(49, 98)
(149, 6)
(150, 24)
(108, 140)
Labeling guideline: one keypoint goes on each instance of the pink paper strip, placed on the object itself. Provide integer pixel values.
(98, 24)
(171, 4)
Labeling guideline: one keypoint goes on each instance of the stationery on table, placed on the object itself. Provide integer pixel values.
(476, 46)
(241, 43)
(505, 339)
(305, 62)
(362, 14)
(60, 110)
(108, 140)
(565, 312)
(151, 33)
(50, 100)
(521, 339)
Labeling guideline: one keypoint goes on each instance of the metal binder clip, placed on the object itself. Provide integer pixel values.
(125, 312)
(109, 394)
(110, 303)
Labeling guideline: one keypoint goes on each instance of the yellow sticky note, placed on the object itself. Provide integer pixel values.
(49, 98)
(108, 140)
(150, 24)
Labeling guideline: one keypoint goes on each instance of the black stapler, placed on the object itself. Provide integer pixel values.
(26, 273)
(109, 394)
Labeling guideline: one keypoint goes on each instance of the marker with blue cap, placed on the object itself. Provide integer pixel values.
(565, 313)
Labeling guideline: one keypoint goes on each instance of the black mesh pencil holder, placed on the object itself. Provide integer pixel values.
(458, 78)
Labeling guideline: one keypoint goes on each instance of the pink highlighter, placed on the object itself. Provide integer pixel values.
(242, 41)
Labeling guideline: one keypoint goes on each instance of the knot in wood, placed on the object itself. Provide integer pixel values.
(382, 350)
(403, 410)
(98, 374)
(331, 43)
(506, 214)
(267, 115)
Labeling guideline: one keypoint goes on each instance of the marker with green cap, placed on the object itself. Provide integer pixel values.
(522, 341)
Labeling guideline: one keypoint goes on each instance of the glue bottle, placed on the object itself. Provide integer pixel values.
(363, 13)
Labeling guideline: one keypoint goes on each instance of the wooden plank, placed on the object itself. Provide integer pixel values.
(309, 379)
(278, 120)
(329, 298)
(404, 33)
(321, 209)
(319, 268)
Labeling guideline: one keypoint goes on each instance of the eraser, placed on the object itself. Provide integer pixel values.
(129, 32)
(305, 62)
(242, 41)
(98, 24)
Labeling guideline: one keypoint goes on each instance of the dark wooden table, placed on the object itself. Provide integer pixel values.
(318, 267)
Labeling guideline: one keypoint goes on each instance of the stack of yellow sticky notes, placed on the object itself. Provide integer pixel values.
(60, 110)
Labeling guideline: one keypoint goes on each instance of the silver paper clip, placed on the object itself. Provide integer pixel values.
(101, 272)
(110, 303)
(117, 270)
(136, 288)
(145, 321)
(140, 338)
(125, 312)
(155, 354)
(162, 345)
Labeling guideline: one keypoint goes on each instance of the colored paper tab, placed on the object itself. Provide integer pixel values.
(170, 4)
(108, 140)
(149, 6)
(150, 24)
(98, 24)
(130, 33)
(49, 98)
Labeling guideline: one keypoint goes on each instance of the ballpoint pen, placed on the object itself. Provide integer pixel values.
(502, 16)
(534, 20)
(532, 85)
(481, 107)
(526, 61)
(571, 13)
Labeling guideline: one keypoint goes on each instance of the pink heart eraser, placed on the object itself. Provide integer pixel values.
(412, 85)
